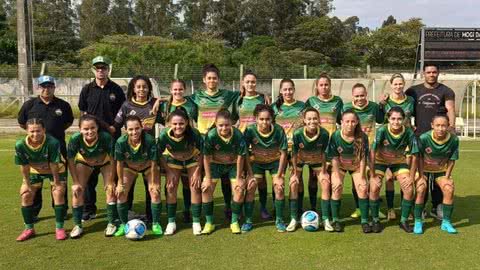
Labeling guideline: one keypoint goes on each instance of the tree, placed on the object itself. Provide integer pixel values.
(195, 13)
(94, 20)
(155, 17)
(389, 21)
(258, 19)
(121, 17)
(8, 42)
(227, 21)
(285, 14)
(320, 8)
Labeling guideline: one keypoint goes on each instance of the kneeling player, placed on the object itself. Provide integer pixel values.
(439, 150)
(87, 150)
(39, 158)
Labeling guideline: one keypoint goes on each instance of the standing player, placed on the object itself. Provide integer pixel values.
(181, 148)
(87, 151)
(225, 153)
(330, 108)
(348, 150)
(439, 150)
(309, 145)
(268, 152)
(209, 101)
(369, 113)
(39, 158)
(388, 152)
(136, 153)
(432, 98)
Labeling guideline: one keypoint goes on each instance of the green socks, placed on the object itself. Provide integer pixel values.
(248, 206)
(390, 194)
(59, 215)
(447, 212)
(236, 210)
(417, 211)
(325, 204)
(208, 210)
(27, 213)
(375, 209)
(122, 211)
(335, 204)
(363, 205)
(279, 207)
(156, 211)
(171, 211)
(262, 194)
(196, 212)
(77, 215)
(293, 209)
(312, 195)
(406, 210)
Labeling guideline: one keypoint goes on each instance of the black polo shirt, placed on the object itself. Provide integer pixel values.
(104, 103)
(57, 116)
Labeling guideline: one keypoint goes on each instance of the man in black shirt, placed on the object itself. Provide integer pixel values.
(431, 98)
(57, 116)
(101, 98)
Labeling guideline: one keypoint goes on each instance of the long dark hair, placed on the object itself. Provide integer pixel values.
(188, 134)
(264, 108)
(358, 135)
(88, 117)
(210, 68)
(135, 118)
(170, 100)
(243, 90)
(279, 102)
(35, 121)
(131, 86)
(396, 109)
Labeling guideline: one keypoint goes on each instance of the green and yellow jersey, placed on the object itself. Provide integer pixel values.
(224, 150)
(98, 153)
(369, 115)
(208, 106)
(310, 151)
(243, 110)
(289, 117)
(265, 148)
(330, 111)
(187, 104)
(407, 104)
(436, 154)
(39, 157)
(179, 148)
(341, 148)
(136, 157)
(392, 148)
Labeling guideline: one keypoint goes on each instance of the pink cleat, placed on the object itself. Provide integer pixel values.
(60, 234)
(26, 234)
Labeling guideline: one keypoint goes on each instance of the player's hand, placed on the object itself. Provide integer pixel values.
(279, 182)
(196, 180)
(111, 129)
(25, 189)
(119, 189)
(156, 107)
(383, 99)
(294, 179)
(76, 190)
(170, 182)
(251, 182)
(323, 176)
(206, 184)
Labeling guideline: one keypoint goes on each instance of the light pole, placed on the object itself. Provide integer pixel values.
(24, 49)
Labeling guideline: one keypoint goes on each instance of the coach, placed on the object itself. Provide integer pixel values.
(431, 98)
(57, 116)
(101, 98)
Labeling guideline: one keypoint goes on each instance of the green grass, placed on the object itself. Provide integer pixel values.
(261, 248)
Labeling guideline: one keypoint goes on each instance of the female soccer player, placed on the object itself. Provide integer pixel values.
(225, 152)
(287, 114)
(38, 155)
(309, 144)
(268, 152)
(181, 148)
(439, 150)
(210, 100)
(391, 143)
(396, 98)
(87, 150)
(348, 149)
(330, 108)
(136, 153)
(369, 113)
(140, 102)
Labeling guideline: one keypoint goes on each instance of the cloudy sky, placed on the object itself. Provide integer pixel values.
(435, 13)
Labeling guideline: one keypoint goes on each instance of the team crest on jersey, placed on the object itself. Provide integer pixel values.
(301, 145)
(112, 97)
(385, 142)
(58, 112)
(255, 141)
(340, 149)
(217, 146)
(428, 150)
(127, 155)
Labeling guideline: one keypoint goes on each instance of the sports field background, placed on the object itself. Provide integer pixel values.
(263, 248)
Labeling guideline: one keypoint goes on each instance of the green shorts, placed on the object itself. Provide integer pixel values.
(396, 169)
(434, 176)
(180, 165)
(38, 178)
(259, 169)
(316, 167)
(217, 171)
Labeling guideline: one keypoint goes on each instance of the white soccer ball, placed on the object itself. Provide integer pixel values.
(310, 221)
(135, 229)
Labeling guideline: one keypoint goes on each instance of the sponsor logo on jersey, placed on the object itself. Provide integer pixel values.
(112, 97)
(385, 142)
(301, 145)
(255, 141)
(133, 112)
(428, 150)
(127, 155)
(340, 149)
(217, 146)
(58, 112)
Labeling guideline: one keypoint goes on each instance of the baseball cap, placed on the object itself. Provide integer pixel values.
(45, 80)
(101, 60)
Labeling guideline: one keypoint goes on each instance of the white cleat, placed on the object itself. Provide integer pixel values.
(197, 228)
(171, 228)
(76, 232)
(110, 230)
(327, 226)
(292, 226)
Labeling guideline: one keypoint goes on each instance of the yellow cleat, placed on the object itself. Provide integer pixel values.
(355, 214)
(235, 228)
(208, 228)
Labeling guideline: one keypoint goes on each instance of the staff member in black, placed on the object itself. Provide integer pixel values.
(57, 116)
(432, 98)
(101, 98)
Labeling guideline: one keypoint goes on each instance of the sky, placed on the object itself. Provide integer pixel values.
(435, 13)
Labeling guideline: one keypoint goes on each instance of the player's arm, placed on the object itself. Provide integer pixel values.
(73, 171)
(282, 164)
(450, 105)
(413, 166)
(119, 168)
(207, 160)
(450, 165)
(54, 169)
(25, 170)
(240, 163)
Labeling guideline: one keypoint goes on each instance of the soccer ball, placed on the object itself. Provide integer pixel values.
(310, 221)
(135, 229)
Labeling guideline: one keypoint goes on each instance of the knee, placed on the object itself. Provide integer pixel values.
(362, 190)
(154, 191)
(337, 188)
(421, 187)
(449, 190)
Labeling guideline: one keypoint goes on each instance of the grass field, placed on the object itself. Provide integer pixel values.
(262, 248)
